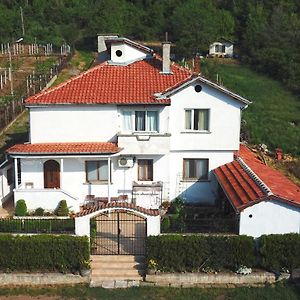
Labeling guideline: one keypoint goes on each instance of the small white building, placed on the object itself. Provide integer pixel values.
(221, 48)
(265, 201)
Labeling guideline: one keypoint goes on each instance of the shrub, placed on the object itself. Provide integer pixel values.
(21, 208)
(39, 212)
(165, 224)
(62, 209)
(280, 251)
(43, 253)
(194, 252)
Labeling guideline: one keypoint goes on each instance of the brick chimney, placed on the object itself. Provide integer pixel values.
(166, 65)
(197, 66)
(279, 154)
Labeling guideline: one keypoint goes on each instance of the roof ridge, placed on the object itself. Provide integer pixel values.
(253, 175)
(64, 83)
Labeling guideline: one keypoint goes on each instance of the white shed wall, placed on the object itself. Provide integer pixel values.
(269, 217)
(129, 53)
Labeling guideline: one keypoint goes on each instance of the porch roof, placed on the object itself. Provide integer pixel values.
(64, 148)
(247, 181)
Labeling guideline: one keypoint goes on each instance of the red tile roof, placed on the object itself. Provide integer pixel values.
(247, 181)
(117, 205)
(136, 83)
(64, 148)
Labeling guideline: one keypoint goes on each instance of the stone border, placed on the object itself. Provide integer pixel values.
(225, 279)
(40, 279)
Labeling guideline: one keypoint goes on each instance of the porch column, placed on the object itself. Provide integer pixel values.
(16, 172)
(61, 171)
(108, 181)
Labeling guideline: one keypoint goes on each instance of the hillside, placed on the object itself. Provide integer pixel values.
(274, 116)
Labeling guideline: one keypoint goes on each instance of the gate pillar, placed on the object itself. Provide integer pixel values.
(82, 226)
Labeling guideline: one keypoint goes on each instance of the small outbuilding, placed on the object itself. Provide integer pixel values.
(221, 48)
(265, 200)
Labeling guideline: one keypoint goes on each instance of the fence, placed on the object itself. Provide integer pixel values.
(12, 106)
(26, 225)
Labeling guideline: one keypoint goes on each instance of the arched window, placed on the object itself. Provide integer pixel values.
(51, 174)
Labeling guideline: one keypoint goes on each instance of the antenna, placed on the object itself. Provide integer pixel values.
(22, 21)
(166, 36)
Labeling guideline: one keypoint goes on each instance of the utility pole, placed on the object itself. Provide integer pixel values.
(22, 21)
(10, 73)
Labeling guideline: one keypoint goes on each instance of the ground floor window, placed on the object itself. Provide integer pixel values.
(145, 169)
(195, 169)
(96, 170)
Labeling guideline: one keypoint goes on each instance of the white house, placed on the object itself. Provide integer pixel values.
(265, 201)
(135, 128)
(221, 48)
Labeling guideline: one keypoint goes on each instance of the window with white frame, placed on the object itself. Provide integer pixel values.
(140, 120)
(197, 119)
(195, 169)
(96, 170)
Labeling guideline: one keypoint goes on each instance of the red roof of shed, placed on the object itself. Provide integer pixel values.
(135, 83)
(247, 181)
(64, 148)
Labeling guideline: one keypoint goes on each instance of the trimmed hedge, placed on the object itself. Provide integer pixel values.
(21, 208)
(43, 253)
(280, 251)
(37, 225)
(179, 253)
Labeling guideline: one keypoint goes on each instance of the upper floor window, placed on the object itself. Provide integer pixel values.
(96, 170)
(140, 120)
(197, 119)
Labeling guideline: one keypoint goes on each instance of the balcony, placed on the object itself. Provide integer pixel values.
(144, 143)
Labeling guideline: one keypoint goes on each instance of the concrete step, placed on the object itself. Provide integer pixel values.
(112, 272)
(116, 277)
(118, 265)
(118, 258)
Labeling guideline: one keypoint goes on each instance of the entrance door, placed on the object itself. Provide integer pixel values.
(119, 233)
(51, 174)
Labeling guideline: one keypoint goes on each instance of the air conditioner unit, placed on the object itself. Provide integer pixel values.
(125, 162)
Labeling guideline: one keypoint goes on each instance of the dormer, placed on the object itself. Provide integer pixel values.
(120, 50)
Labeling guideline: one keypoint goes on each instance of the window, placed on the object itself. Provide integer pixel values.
(96, 170)
(195, 169)
(119, 53)
(9, 176)
(141, 121)
(145, 169)
(197, 119)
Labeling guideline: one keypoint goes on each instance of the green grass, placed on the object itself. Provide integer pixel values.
(274, 116)
(278, 292)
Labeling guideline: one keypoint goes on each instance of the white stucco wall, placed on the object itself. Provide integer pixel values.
(73, 123)
(5, 188)
(204, 192)
(129, 53)
(269, 217)
(224, 120)
(82, 224)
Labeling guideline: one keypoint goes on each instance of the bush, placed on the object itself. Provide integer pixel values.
(192, 253)
(39, 212)
(62, 209)
(21, 208)
(280, 251)
(165, 224)
(43, 253)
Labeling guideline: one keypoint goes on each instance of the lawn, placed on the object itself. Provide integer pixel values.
(278, 292)
(274, 116)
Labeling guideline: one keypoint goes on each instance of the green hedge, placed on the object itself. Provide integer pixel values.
(178, 253)
(37, 225)
(43, 253)
(280, 251)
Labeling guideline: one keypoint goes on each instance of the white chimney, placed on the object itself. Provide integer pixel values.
(166, 66)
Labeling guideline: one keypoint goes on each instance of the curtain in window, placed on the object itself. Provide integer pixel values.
(140, 121)
(103, 170)
(201, 166)
(91, 169)
(201, 119)
(152, 120)
(127, 121)
(188, 119)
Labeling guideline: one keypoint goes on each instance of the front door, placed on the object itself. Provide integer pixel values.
(120, 233)
(51, 174)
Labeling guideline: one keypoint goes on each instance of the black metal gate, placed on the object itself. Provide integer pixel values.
(118, 233)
